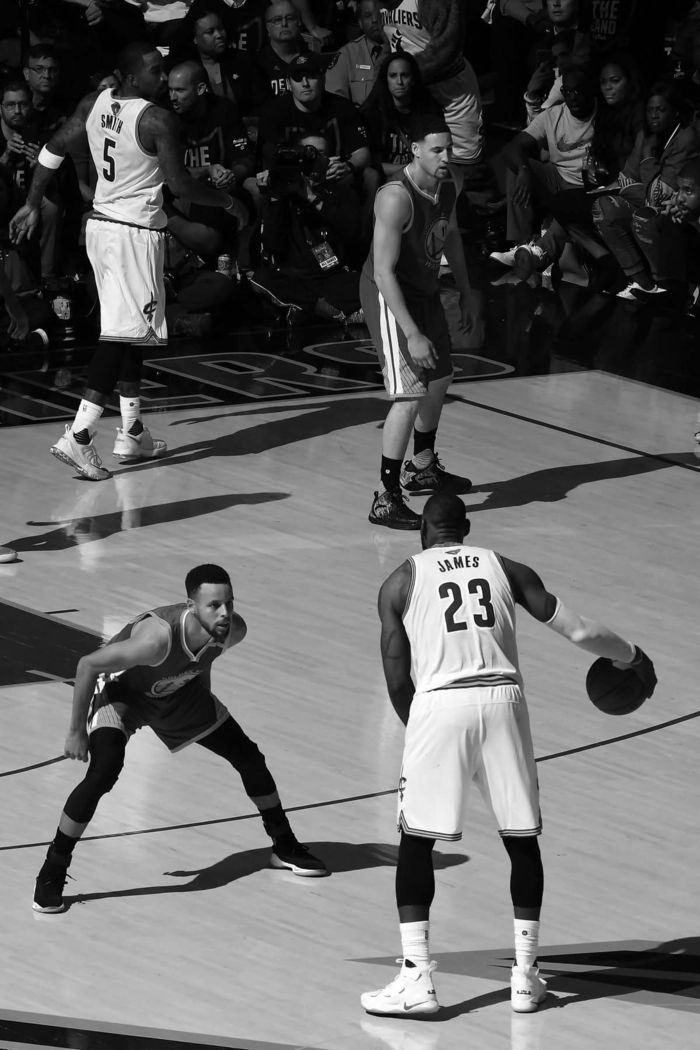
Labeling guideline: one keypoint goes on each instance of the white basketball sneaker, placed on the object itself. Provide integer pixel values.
(139, 446)
(527, 990)
(83, 458)
(410, 994)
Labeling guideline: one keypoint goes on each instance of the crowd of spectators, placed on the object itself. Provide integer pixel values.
(576, 125)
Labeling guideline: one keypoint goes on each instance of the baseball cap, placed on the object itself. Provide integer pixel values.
(307, 62)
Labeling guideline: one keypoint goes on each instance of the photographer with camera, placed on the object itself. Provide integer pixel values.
(309, 222)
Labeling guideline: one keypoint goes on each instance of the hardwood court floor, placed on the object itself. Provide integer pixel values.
(177, 932)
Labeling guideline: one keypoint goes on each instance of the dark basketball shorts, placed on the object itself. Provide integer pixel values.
(177, 720)
(402, 378)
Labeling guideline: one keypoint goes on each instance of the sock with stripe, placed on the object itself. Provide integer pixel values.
(130, 408)
(390, 476)
(86, 418)
(415, 943)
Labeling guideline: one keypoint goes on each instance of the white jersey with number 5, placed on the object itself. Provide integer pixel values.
(129, 178)
(460, 620)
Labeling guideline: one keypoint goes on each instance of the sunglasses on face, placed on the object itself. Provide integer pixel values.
(298, 77)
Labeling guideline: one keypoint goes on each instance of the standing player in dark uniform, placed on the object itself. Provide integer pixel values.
(157, 672)
(414, 224)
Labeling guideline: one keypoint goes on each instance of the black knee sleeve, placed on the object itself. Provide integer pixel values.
(415, 878)
(113, 362)
(526, 871)
(230, 742)
(107, 747)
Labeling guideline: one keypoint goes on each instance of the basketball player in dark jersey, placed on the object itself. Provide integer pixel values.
(414, 224)
(156, 672)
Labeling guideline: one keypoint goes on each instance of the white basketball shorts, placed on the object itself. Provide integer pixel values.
(128, 266)
(460, 99)
(456, 736)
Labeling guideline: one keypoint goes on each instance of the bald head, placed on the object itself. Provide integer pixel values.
(444, 519)
(187, 87)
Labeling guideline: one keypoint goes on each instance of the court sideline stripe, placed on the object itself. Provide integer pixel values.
(332, 801)
(693, 468)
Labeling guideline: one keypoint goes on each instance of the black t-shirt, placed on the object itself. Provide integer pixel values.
(336, 120)
(219, 137)
(245, 24)
(275, 70)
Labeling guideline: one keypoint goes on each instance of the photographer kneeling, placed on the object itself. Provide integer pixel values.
(310, 217)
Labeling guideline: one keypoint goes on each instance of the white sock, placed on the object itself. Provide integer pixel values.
(415, 942)
(527, 936)
(86, 417)
(130, 408)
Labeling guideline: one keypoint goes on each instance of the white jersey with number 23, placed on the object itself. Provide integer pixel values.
(460, 620)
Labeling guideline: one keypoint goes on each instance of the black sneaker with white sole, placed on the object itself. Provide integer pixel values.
(48, 892)
(433, 478)
(298, 859)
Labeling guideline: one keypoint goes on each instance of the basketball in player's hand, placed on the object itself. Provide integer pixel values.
(615, 690)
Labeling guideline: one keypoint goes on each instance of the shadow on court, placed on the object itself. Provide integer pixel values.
(87, 529)
(555, 483)
(341, 857)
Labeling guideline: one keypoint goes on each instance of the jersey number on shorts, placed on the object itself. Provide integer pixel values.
(451, 590)
(109, 170)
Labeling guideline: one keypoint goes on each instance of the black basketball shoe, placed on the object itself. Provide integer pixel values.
(433, 478)
(391, 510)
(48, 892)
(288, 853)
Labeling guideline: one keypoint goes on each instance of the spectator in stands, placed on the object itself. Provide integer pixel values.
(284, 43)
(619, 118)
(544, 86)
(216, 151)
(629, 222)
(23, 308)
(230, 73)
(309, 224)
(397, 97)
(354, 70)
(565, 133)
(42, 72)
(308, 107)
(19, 149)
(433, 31)
(244, 21)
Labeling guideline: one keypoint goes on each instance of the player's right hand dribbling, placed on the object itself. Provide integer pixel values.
(422, 351)
(643, 668)
(76, 745)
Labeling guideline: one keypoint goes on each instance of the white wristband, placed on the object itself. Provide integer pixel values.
(50, 160)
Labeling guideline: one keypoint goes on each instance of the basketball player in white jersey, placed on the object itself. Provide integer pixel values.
(433, 31)
(135, 148)
(451, 666)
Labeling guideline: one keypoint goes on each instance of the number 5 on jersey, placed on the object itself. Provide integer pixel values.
(109, 171)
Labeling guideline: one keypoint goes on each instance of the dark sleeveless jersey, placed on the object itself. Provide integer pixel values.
(418, 264)
(179, 667)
